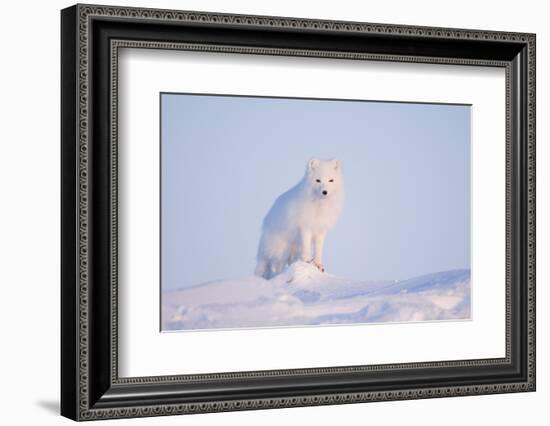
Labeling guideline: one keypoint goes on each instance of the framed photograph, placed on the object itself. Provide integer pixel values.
(264, 212)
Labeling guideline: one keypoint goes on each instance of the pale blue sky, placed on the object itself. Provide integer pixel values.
(225, 159)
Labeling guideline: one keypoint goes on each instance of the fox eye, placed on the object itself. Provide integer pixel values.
(318, 180)
(332, 180)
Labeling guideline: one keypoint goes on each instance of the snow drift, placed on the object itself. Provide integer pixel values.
(302, 295)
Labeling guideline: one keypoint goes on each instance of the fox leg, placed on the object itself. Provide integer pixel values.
(319, 242)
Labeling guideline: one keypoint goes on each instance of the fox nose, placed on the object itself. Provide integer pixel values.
(325, 192)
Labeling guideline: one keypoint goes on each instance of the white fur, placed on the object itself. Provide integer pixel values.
(296, 225)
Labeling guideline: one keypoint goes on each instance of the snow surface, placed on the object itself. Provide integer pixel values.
(302, 295)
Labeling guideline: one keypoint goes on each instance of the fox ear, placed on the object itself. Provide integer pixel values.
(313, 164)
(337, 164)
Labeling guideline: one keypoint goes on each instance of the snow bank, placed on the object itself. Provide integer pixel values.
(302, 295)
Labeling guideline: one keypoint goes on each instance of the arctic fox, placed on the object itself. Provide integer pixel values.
(296, 225)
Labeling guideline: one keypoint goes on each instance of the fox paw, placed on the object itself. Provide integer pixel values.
(317, 265)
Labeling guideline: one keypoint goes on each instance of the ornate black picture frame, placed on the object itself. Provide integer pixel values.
(90, 385)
